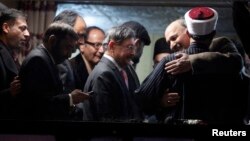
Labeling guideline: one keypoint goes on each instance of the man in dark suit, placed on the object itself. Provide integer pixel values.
(42, 91)
(14, 34)
(90, 54)
(65, 69)
(113, 82)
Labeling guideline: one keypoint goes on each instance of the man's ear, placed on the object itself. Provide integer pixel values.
(6, 28)
(52, 40)
(137, 42)
(111, 44)
(82, 48)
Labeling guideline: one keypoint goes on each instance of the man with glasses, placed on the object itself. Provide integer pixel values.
(90, 54)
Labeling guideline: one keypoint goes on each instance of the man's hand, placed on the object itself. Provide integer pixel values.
(180, 65)
(170, 99)
(78, 96)
(15, 86)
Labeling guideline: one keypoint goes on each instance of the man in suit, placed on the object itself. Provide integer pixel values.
(90, 54)
(42, 91)
(113, 82)
(198, 90)
(65, 69)
(14, 34)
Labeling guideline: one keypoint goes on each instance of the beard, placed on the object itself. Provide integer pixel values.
(136, 59)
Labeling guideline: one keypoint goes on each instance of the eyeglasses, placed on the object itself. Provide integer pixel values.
(95, 45)
(130, 47)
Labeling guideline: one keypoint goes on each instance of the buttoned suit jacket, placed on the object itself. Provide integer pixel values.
(42, 88)
(8, 70)
(112, 100)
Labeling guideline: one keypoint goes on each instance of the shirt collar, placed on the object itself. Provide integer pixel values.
(112, 60)
(49, 54)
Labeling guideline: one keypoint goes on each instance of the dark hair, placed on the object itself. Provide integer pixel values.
(60, 30)
(161, 46)
(119, 34)
(10, 15)
(3, 7)
(90, 28)
(140, 31)
(67, 16)
(203, 37)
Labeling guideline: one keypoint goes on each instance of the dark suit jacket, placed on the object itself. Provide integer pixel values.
(217, 76)
(80, 71)
(111, 101)
(241, 22)
(8, 70)
(74, 75)
(42, 96)
(206, 94)
(67, 76)
(222, 58)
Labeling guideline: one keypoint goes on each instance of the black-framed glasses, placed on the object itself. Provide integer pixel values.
(95, 45)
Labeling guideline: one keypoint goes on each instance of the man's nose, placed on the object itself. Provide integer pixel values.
(101, 49)
(173, 45)
(26, 33)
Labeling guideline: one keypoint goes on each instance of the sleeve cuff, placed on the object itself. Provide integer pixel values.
(71, 104)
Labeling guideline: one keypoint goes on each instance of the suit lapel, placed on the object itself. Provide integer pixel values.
(8, 60)
(119, 78)
(53, 69)
(134, 76)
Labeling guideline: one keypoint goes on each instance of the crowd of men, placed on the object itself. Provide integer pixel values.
(196, 77)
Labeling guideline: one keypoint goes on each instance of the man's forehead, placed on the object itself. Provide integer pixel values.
(21, 21)
(128, 41)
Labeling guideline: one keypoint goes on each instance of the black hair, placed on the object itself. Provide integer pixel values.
(60, 30)
(161, 46)
(140, 31)
(10, 15)
(90, 28)
(204, 37)
(3, 7)
(67, 16)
